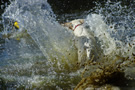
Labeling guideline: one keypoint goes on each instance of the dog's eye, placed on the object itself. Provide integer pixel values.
(71, 25)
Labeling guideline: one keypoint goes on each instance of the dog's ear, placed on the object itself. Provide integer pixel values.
(69, 25)
(81, 21)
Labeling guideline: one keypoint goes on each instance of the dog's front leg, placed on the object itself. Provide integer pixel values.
(79, 42)
(89, 48)
(82, 56)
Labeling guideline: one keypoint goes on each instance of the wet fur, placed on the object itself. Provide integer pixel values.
(84, 41)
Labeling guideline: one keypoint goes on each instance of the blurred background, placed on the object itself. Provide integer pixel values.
(62, 7)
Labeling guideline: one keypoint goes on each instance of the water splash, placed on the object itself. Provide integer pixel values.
(116, 38)
(42, 54)
(38, 18)
(40, 42)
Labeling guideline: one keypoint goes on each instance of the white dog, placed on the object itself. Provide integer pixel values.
(84, 40)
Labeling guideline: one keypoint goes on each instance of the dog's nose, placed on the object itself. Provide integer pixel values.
(69, 25)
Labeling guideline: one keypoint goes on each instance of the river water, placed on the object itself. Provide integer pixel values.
(41, 54)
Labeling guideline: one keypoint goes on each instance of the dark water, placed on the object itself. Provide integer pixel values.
(38, 54)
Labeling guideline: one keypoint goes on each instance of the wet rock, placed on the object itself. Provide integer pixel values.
(107, 75)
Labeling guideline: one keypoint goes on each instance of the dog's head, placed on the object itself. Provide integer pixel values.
(71, 25)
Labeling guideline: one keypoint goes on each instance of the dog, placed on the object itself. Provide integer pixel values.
(84, 40)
